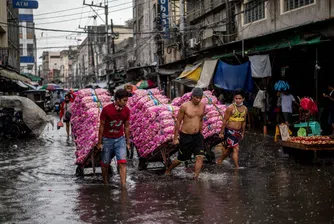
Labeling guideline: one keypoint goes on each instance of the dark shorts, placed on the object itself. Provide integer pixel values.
(232, 137)
(190, 144)
(287, 117)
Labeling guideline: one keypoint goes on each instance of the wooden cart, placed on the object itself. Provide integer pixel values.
(161, 154)
(92, 160)
(309, 153)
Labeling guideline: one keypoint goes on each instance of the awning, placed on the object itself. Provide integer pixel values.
(21, 84)
(208, 70)
(12, 75)
(186, 82)
(192, 72)
(286, 43)
(165, 71)
(33, 78)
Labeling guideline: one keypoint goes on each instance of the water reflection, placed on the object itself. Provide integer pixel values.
(38, 185)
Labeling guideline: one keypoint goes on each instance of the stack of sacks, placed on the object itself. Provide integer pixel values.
(85, 119)
(213, 120)
(152, 120)
(208, 98)
(214, 112)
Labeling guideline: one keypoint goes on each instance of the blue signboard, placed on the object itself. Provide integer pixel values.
(27, 59)
(25, 4)
(26, 17)
(164, 17)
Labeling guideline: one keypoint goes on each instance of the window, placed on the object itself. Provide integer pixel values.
(254, 10)
(21, 49)
(294, 4)
(30, 50)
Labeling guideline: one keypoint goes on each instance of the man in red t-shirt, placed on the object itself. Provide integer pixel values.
(114, 122)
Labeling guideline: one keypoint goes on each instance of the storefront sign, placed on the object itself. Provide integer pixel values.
(164, 18)
(25, 4)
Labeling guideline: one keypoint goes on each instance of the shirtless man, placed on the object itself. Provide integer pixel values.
(191, 139)
(233, 129)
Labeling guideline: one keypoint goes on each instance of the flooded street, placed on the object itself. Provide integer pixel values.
(38, 185)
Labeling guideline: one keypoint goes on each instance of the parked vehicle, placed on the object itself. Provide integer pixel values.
(11, 123)
(20, 116)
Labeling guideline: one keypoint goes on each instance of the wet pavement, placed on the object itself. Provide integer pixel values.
(38, 185)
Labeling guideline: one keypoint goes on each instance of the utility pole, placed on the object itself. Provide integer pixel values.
(106, 28)
(113, 44)
(182, 27)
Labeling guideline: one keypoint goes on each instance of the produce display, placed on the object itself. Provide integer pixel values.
(312, 140)
(152, 119)
(85, 120)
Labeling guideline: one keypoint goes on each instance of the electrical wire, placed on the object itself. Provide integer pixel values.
(73, 14)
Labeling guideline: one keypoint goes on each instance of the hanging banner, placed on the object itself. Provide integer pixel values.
(164, 18)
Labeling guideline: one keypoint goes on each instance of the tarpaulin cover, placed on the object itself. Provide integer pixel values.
(232, 77)
(260, 66)
(208, 70)
(33, 116)
(192, 72)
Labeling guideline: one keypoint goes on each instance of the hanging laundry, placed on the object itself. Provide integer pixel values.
(232, 77)
(260, 66)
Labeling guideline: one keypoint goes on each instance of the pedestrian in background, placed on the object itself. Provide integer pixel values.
(287, 106)
(65, 110)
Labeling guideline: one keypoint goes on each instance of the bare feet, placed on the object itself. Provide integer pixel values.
(219, 161)
(195, 178)
(167, 173)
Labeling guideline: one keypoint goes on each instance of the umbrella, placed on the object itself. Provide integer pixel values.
(50, 87)
(145, 84)
(281, 86)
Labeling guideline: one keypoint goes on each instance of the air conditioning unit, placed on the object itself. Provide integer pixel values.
(192, 43)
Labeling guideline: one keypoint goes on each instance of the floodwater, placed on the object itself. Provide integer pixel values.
(38, 185)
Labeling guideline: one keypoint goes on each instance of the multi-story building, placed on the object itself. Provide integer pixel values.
(28, 50)
(90, 64)
(9, 35)
(66, 62)
(51, 66)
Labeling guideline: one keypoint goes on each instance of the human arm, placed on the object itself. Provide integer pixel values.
(201, 121)
(179, 119)
(227, 115)
(101, 130)
(127, 133)
(61, 113)
(328, 96)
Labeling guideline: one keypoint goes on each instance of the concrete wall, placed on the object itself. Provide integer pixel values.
(3, 27)
(145, 46)
(276, 20)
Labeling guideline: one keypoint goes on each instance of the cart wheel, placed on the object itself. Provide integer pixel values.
(79, 171)
(142, 164)
(210, 156)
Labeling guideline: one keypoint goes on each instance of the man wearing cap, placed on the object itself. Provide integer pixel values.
(191, 139)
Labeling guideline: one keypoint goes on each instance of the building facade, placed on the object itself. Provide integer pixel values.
(28, 49)
(51, 66)
(9, 35)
